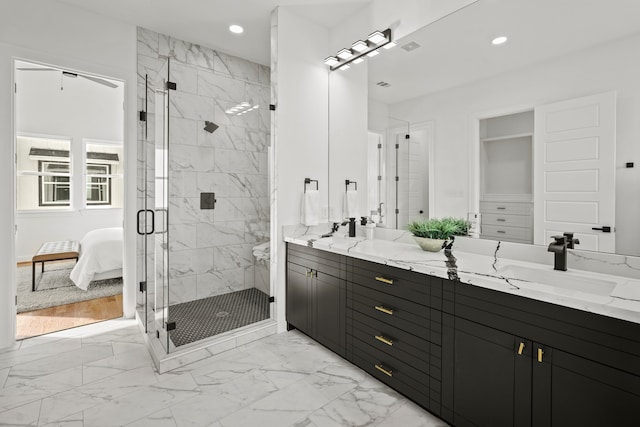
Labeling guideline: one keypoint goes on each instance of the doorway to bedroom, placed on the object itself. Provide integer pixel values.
(69, 132)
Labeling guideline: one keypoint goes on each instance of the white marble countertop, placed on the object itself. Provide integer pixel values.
(605, 294)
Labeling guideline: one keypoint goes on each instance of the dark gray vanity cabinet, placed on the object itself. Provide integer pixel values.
(471, 355)
(492, 379)
(394, 328)
(522, 362)
(316, 295)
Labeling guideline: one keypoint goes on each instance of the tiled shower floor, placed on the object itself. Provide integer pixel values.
(204, 318)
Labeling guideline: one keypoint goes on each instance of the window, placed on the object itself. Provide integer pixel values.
(55, 185)
(44, 170)
(98, 184)
(103, 174)
(49, 177)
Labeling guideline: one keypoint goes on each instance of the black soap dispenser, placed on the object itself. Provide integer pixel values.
(352, 227)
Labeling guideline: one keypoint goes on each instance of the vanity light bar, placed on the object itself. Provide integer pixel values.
(359, 49)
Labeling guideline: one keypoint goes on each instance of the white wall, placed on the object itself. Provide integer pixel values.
(406, 16)
(348, 138)
(81, 110)
(300, 138)
(53, 33)
(378, 116)
(612, 66)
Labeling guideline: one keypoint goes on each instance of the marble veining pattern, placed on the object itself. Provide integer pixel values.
(231, 162)
(481, 262)
(284, 380)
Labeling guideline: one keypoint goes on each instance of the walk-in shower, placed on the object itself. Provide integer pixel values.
(203, 192)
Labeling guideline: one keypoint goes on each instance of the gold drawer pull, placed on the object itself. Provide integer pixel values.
(540, 353)
(387, 372)
(383, 280)
(387, 341)
(521, 348)
(384, 310)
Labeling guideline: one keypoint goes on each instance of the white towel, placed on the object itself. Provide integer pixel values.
(350, 207)
(310, 212)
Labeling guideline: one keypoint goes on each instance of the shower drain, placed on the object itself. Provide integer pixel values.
(222, 314)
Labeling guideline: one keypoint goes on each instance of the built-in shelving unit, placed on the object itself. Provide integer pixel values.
(506, 175)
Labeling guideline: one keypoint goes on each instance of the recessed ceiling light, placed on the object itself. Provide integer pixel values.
(499, 40)
(236, 29)
(357, 60)
(373, 53)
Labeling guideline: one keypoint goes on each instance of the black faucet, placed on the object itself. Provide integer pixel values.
(570, 240)
(559, 249)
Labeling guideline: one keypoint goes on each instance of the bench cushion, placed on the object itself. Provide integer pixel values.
(51, 251)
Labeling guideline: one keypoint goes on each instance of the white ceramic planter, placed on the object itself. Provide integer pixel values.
(431, 245)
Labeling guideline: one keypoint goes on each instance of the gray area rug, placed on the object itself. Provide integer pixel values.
(54, 287)
(204, 318)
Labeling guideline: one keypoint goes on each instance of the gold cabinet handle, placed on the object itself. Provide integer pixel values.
(384, 310)
(521, 348)
(540, 353)
(382, 339)
(309, 272)
(387, 372)
(384, 280)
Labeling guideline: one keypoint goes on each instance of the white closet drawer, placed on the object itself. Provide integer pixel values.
(514, 208)
(501, 232)
(509, 220)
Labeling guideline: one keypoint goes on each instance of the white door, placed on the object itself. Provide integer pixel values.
(574, 171)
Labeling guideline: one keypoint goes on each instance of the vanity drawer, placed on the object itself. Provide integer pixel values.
(501, 232)
(367, 329)
(397, 374)
(514, 208)
(395, 312)
(502, 220)
(416, 287)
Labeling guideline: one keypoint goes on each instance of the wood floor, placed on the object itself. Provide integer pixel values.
(39, 322)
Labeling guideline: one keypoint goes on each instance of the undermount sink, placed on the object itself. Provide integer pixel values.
(566, 283)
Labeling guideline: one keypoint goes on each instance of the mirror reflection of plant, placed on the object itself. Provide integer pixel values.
(439, 228)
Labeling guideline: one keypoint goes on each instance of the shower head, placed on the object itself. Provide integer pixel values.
(210, 126)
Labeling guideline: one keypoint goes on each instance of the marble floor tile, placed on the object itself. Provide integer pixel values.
(103, 375)
(4, 373)
(411, 415)
(26, 415)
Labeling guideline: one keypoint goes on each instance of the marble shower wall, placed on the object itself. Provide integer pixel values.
(210, 251)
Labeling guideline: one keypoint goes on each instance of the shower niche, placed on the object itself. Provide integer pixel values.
(203, 196)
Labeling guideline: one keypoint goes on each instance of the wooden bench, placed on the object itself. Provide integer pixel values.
(53, 251)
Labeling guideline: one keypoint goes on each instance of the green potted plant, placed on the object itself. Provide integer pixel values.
(432, 234)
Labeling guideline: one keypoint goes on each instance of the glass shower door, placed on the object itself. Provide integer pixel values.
(161, 208)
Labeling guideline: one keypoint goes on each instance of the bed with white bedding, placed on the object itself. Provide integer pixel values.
(101, 256)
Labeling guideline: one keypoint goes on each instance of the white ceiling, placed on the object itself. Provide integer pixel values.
(457, 49)
(206, 22)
